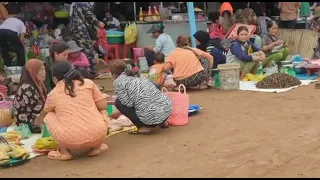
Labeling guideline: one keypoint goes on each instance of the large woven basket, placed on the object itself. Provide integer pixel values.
(180, 106)
(5, 111)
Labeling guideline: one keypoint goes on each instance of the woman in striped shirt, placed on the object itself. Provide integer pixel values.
(139, 99)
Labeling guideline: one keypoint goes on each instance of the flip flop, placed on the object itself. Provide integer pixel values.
(95, 152)
(56, 155)
(136, 131)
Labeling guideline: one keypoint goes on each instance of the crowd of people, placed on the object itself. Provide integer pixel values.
(58, 92)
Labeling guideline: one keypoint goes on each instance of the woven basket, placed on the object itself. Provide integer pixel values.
(5, 112)
(180, 106)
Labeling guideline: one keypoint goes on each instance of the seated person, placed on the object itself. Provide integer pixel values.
(216, 28)
(245, 53)
(59, 51)
(31, 96)
(75, 114)
(163, 44)
(78, 59)
(211, 46)
(111, 22)
(273, 46)
(191, 65)
(139, 100)
(156, 71)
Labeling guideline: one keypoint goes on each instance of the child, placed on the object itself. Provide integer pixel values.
(78, 59)
(75, 114)
(216, 28)
(156, 71)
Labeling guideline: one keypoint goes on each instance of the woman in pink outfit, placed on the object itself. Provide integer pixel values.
(216, 28)
(76, 116)
(78, 59)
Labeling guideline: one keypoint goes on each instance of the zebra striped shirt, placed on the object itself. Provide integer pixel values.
(151, 105)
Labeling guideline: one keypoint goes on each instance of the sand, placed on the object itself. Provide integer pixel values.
(238, 134)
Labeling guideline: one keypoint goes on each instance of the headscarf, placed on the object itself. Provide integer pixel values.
(203, 38)
(205, 41)
(29, 76)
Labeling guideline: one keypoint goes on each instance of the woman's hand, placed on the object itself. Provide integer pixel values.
(263, 56)
(256, 58)
(115, 115)
(278, 42)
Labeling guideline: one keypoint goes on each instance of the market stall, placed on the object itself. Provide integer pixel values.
(174, 19)
(172, 27)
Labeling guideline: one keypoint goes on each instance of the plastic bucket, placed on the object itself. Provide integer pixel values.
(139, 52)
(143, 64)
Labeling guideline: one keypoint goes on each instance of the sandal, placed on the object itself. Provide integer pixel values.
(164, 125)
(97, 151)
(56, 155)
(136, 131)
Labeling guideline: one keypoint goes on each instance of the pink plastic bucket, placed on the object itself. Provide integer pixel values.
(139, 52)
(180, 107)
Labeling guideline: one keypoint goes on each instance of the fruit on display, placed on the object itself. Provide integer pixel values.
(45, 144)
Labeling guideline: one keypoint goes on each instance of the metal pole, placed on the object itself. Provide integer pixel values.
(135, 11)
(205, 9)
(192, 22)
(306, 22)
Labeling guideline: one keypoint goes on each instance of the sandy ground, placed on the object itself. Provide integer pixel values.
(238, 134)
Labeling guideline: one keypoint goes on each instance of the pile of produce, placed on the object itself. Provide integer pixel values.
(13, 151)
(46, 143)
(119, 124)
(278, 81)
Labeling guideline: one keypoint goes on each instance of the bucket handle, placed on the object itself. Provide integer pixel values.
(184, 89)
(3, 97)
(164, 90)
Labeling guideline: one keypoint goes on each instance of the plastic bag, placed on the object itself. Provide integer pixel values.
(130, 33)
(45, 143)
(253, 77)
(24, 131)
(169, 81)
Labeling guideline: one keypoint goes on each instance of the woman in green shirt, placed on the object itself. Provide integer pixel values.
(58, 51)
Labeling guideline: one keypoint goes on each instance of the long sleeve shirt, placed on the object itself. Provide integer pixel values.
(80, 61)
(215, 31)
(241, 51)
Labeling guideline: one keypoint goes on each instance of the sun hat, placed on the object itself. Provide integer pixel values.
(73, 47)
